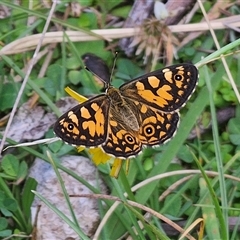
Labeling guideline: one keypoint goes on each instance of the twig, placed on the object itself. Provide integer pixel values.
(29, 42)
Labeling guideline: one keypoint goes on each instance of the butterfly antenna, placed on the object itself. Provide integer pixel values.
(113, 67)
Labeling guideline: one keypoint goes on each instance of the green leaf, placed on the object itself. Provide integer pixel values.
(3, 223)
(185, 154)
(10, 204)
(56, 146)
(54, 74)
(127, 69)
(28, 196)
(22, 171)
(175, 207)
(66, 148)
(209, 212)
(5, 233)
(73, 63)
(85, 3)
(8, 95)
(108, 5)
(190, 51)
(234, 126)
(86, 81)
(87, 20)
(74, 77)
(234, 131)
(6, 213)
(171, 179)
(148, 164)
(235, 138)
(95, 47)
(10, 165)
(122, 12)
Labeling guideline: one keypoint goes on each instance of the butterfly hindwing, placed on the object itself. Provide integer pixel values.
(122, 141)
(86, 124)
(157, 127)
(167, 89)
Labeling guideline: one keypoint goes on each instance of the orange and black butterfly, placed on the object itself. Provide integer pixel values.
(142, 112)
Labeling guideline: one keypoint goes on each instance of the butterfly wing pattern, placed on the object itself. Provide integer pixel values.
(122, 141)
(142, 112)
(154, 128)
(167, 89)
(86, 124)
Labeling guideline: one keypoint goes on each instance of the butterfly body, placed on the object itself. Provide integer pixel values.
(122, 110)
(142, 112)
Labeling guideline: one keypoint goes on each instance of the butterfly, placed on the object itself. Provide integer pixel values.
(142, 112)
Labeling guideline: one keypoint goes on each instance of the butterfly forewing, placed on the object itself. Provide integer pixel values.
(86, 124)
(167, 89)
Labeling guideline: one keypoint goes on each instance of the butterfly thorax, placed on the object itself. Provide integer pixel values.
(120, 108)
